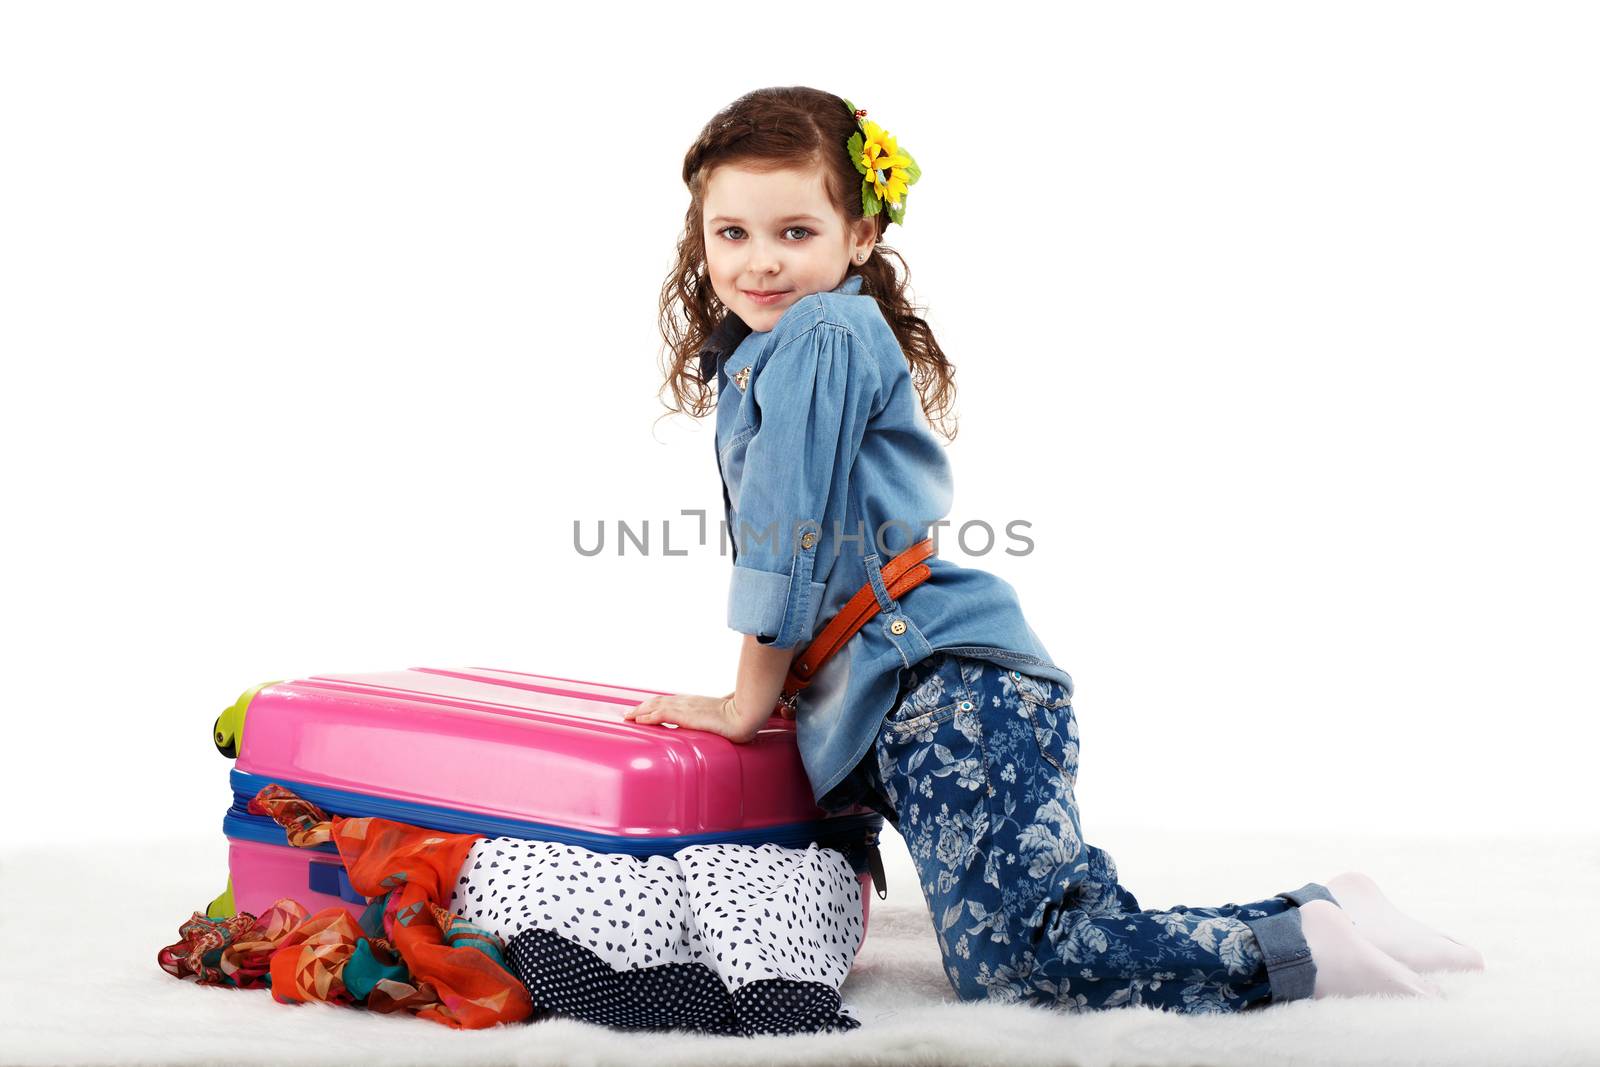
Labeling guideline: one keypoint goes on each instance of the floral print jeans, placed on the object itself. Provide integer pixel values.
(975, 767)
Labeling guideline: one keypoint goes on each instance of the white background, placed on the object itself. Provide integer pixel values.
(322, 324)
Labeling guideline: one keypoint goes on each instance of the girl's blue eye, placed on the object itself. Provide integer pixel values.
(786, 229)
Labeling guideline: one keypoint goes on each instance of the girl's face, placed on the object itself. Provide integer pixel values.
(775, 232)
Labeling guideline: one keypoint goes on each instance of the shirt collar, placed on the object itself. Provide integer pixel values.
(731, 332)
(723, 340)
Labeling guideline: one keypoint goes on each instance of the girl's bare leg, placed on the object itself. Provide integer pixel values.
(1348, 965)
(1414, 943)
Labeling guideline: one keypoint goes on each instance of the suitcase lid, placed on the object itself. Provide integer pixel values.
(523, 748)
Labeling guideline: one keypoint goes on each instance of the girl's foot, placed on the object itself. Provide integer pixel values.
(1419, 946)
(1348, 965)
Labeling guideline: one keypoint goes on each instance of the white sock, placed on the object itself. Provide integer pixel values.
(1348, 965)
(1416, 944)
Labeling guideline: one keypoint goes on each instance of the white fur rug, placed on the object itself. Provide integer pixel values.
(79, 982)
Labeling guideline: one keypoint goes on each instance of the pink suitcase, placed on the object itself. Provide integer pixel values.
(504, 753)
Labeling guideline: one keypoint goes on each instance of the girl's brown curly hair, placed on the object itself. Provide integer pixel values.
(798, 127)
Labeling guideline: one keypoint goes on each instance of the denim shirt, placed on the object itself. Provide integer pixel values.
(821, 441)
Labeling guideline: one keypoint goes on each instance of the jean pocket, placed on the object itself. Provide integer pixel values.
(1048, 708)
(1044, 692)
(934, 693)
(924, 722)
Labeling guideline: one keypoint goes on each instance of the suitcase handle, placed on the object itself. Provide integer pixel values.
(333, 880)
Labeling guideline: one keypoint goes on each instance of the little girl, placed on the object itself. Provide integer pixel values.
(927, 696)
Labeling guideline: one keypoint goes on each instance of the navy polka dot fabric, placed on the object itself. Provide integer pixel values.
(567, 979)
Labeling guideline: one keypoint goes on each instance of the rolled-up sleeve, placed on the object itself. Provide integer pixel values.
(813, 398)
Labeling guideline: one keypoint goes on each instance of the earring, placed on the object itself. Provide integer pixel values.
(861, 257)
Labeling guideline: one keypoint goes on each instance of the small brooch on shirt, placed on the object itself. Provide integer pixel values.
(741, 377)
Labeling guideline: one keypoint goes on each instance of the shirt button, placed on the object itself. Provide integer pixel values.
(808, 539)
(897, 627)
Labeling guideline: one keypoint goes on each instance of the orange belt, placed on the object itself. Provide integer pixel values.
(901, 574)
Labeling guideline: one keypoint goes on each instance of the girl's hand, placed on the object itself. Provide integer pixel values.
(712, 714)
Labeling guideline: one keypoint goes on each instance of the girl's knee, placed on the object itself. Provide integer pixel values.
(960, 969)
(977, 961)
(969, 991)
(964, 981)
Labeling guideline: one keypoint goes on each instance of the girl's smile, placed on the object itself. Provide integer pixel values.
(766, 298)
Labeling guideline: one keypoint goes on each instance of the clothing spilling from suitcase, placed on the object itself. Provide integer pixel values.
(422, 896)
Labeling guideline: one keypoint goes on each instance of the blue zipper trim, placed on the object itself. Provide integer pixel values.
(242, 826)
(240, 823)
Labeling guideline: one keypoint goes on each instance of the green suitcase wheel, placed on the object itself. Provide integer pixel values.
(228, 730)
(222, 907)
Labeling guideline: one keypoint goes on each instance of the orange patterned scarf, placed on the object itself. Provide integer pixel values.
(422, 959)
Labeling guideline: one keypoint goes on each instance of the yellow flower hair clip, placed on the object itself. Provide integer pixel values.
(888, 170)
